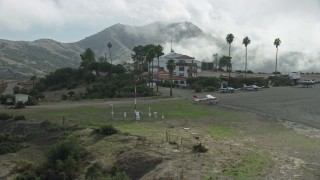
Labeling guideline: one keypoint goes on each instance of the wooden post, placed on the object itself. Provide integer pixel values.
(63, 120)
(166, 136)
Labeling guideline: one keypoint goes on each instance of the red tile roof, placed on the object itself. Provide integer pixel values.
(184, 57)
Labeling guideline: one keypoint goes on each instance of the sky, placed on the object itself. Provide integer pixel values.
(295, 22)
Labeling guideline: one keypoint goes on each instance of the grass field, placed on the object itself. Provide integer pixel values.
(241, 145)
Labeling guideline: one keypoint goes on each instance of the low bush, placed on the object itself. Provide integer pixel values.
(106, 130)
(210, 89)
(5, 116)
(50, 127)
(9, 147)
(31, 102)
(19, 117)
(23, 166)
(27, 175)
(11, 138)
(95, 171)
(199, 149)
(64, 97)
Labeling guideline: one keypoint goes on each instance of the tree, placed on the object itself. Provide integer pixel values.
(138, 56)
(171, 65)
(246, 41)
(87, 58)
(277, 43)
(229, 40)
(225, 61)
(109, 46)
(159, 52)
(33, 78)
(150, 56)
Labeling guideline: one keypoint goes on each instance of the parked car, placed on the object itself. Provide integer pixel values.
(227, 90)
(9, 101)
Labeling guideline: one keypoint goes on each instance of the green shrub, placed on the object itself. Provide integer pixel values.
(199, 148)
(9, 147)
(31, 102)
(72, 85)
(64, 97)
(5, 116)
(210, 89)
(28, 175)
(94, 172)
(116, 173)
(50, 127)
(22, 166)
(19, 117)
(12, 138)
(63, 150)
(64, 160)
(198, 88)
(107, 130)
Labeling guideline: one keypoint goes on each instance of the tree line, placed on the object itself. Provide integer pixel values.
(225, 61)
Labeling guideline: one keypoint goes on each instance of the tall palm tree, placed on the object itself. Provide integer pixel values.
(229, 40)
(159, 52)
(33, 78)
(277, 43)
(246, 41)
(171, 65)
(150, 56)
(109, 46)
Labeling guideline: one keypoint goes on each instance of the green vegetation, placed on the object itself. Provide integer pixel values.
(199, 83)
(5, 116)
(96, 171)
(64, 161)
(249, 168)
(19, 117)
(10, 143)
(106, 130)
(221, 131)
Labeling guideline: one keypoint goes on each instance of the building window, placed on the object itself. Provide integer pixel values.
(182, 61)
(181, 68)
(181, 74)
(181, 82)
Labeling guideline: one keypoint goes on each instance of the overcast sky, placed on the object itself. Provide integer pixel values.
(295, 22)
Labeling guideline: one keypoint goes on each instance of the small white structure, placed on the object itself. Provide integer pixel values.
(294, 75)
(21, 97)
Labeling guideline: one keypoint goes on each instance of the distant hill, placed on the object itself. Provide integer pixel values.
(23, 59)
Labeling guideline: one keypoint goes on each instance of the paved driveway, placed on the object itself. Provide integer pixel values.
(301, 105)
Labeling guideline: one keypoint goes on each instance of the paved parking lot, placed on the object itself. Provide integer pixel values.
(296, 104)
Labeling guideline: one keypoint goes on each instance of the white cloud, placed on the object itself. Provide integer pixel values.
(295, 22)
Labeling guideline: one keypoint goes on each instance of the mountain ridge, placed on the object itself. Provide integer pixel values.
(24, 59)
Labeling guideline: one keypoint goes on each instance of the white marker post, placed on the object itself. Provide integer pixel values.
(111, 110)
(149, 112)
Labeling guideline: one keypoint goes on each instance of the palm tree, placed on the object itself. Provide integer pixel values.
(171, 65)
(150, 56)
(33, 78)
(277, 43)
(229, 40)
(109, 46)
(159, 52)
(246, 41)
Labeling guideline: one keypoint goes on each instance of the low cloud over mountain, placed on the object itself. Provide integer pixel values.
(23, 59)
